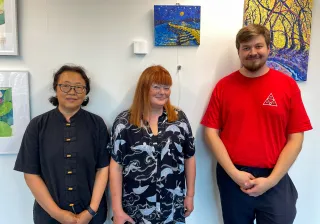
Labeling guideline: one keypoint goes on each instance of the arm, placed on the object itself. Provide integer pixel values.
(99, 188)
(43, 197)
(190, 170)
(102, 167)
(286, 158)
(220, 152)
(214, 142)
(116, 186)
(101, 175)
(120, 217)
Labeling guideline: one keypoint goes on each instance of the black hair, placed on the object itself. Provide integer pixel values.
(70, 68)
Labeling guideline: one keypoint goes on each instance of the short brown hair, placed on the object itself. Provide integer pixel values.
(141, 107)
(251, 31)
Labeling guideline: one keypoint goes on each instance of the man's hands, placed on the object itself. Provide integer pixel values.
(243, 178)
(250, 185)
(259, 186)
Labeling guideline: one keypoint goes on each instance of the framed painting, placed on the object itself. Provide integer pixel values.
(289, 23)
(14, 109)
(8, 28)
(176, 25)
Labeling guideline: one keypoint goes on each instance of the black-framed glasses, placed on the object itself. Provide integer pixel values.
(67, 88)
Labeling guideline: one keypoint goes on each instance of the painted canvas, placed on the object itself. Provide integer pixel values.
(177, 25)
(14, 109)
(6, 112)
(2, 24)
(289, 23)
(8, 28)
(2, 18)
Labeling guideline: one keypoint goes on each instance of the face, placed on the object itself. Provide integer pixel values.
(159, 95)
(70, 99)
(254, 53)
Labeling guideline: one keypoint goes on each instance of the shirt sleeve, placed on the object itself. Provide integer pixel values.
(298, 118)
(104, 139)
(188, 145)
(212, 116)
(28, 159)
(117, 146)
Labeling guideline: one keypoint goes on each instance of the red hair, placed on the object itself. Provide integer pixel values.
(141, 106)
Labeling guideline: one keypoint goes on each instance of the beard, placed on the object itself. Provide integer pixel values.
(254, 65)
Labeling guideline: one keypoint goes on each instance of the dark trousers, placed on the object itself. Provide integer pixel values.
(40, 216)
(276, 206)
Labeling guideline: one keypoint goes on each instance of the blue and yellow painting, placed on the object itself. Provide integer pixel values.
(177, 25)
(6, 112)
(289, 23)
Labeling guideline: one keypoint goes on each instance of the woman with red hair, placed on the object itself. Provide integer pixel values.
(152, 151)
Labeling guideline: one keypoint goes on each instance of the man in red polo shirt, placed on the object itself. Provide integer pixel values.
(254, 125)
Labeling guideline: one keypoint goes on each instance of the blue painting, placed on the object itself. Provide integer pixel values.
(6, 112)
(177, 25)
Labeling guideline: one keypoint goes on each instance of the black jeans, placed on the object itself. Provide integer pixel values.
(276, 206)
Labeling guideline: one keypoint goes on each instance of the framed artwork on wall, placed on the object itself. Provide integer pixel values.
(8, 28)
(177, 25)
(289, 23)
(14, 109)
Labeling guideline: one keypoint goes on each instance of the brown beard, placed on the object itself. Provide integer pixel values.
(253, 67)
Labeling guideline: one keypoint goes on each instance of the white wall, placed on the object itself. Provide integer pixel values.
(98, 35)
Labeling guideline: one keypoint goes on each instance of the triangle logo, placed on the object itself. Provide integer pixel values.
(270, 101)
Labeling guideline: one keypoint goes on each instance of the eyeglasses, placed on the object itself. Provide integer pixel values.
(67, 88)
(158, 87)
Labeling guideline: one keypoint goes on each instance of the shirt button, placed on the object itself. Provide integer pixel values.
(67, 124)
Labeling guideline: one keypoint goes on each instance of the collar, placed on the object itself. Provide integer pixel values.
(61, 118)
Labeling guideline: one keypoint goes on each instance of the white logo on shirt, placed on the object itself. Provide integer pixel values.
(270, 101)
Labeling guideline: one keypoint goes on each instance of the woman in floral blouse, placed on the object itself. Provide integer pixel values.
(152, 151)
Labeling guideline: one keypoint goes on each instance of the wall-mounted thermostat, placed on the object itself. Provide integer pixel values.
(140, 47)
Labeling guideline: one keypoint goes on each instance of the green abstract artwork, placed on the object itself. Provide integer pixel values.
(2, 18)
(6, 112)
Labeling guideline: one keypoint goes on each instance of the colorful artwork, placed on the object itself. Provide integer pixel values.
(14, 109)
(2, 19)
(8, 28)
(6, 112)
(2, 24)
(176, 25)
(289, 23)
